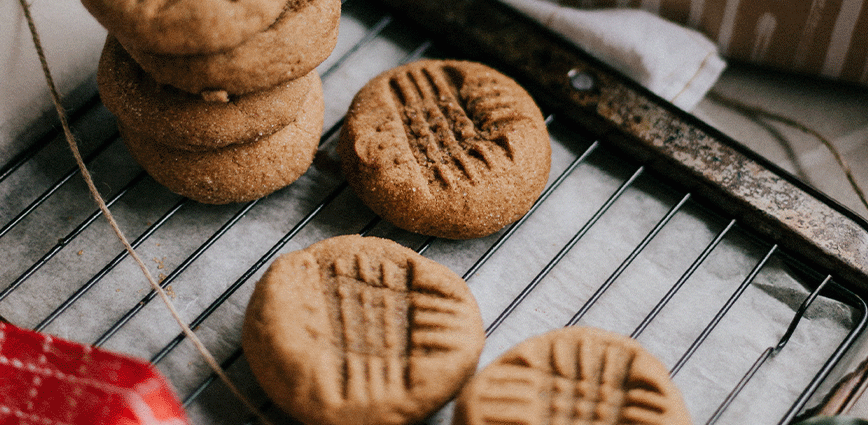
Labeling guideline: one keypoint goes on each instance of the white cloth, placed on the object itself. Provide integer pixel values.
(72, 40)
(675, 62)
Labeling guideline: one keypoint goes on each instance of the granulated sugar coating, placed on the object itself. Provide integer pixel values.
(239, 172)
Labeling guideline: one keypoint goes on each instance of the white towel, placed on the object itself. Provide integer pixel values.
(675, 62)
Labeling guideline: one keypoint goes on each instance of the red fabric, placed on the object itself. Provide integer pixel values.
(45, 380)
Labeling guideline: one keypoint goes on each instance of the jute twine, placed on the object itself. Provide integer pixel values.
(755, 112)
(73, 146)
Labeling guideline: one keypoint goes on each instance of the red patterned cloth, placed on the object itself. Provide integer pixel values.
(46, 380)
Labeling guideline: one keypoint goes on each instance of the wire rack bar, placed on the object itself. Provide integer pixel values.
(110, 266)
(683, 279)
(63, 242)
(51, 190)
(799, 314)
(425, 245)
(741, 384)
(768, 352)
(722, 312)
(563, 252)
(225, 364)
(545, 195)
(626, 263)
(27, 154)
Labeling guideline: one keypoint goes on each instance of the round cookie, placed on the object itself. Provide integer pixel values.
(573, 375)
(239, 172)
(361, 330)
(186, 121)
(445, 148)
(184, 27)
(300, 39)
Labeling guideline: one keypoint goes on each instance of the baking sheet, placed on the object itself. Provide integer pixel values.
(199, 276)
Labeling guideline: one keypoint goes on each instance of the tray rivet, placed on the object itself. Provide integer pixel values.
(581, 80)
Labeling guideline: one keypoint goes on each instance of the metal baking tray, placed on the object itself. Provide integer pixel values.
(653, 224)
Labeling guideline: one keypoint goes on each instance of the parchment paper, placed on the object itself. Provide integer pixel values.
(757, 320)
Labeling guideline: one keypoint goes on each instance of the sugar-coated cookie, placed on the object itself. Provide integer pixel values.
(301, 38)
(186, 27)
(452, 149)
(362, 331)
(186, 121)
(576, 375)
(239, 172)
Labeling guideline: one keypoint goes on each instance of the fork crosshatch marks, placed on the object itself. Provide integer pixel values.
(361, 330)
(445, 148)
(384, 318)
(448, 133)
(573, 375)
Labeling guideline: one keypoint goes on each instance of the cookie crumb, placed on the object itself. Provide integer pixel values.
(215, 96)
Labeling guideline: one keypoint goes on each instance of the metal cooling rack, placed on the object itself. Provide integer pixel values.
(64, 273)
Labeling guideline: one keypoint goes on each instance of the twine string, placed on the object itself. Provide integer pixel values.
(73, 146)
(761, 112)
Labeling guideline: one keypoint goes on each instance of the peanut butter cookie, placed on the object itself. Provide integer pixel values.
(186, 121)
(452, 149)
(361, 330)
(575, 375)
(239, 172)
(185, 27)
(302, 37)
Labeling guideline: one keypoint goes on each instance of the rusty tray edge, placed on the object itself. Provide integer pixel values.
(673, 143)
(689, 153)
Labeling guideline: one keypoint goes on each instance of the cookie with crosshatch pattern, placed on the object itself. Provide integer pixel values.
(446, 148)
(573, 375)
(361, 330)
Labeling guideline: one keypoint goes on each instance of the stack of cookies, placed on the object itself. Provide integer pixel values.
(218, 101)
